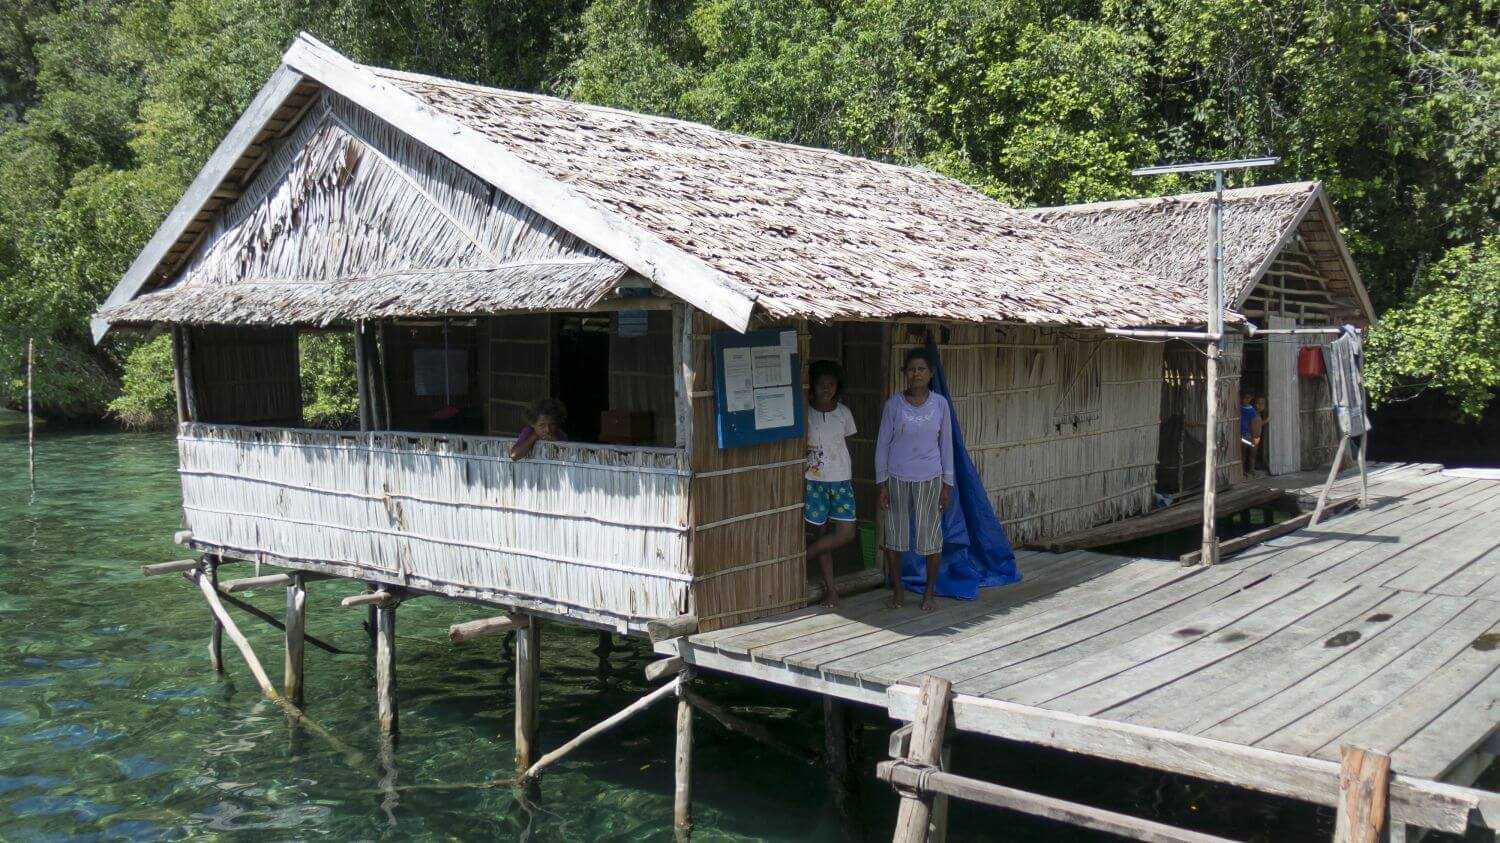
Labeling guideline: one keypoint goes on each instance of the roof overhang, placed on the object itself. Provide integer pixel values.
(1317, 199)
(308, 59)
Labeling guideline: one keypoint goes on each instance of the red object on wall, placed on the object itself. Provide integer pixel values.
(1310, 362)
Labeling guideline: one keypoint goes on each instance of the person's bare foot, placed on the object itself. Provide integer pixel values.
(928, 602)
(895, 601)
(830, 599)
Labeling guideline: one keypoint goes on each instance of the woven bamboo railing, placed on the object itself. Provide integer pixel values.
(592, 527)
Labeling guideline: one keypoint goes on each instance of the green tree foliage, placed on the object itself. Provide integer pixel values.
(330, 394)
(1447, 337)
(148, 398)
(108, 107)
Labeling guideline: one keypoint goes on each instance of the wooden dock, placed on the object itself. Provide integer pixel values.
(1379, 628)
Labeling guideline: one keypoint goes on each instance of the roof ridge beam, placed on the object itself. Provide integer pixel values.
(676, 271)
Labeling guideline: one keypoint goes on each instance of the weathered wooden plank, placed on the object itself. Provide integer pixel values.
(1413, 800)
(1053, 615)
(1399, 555)
(1255, 723)
(1095, 633)
(940, 628)
(900, 623)
(1351, 704)
(1443, 557)
(1385, 539)
(1269, 667)
(780, 627)
(1478, 579)
(1279, 627)
(1464, 728)
(1101, 665)
(1320, 539)
(1397, 723)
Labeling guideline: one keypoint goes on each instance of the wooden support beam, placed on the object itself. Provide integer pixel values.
(271, 619)
(1364, 792)
(385, 668)
(928, 731)
(469, 630)
(528, 673)
(666, 629)
(370, 598)
(1333, 473)
(908, 776)
(216, 634)
(598, 729)
(668, 666)
(682, 766)
(156, 569)
(735, 723)
(296, 635)
(250, 583)
(1265, 534)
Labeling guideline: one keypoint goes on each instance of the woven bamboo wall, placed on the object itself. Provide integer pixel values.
(641, 376)
(1062, 425)
(594, 529)
(520, 355)
(747, 546)
(1183, 410)
(246, 375)
(1319, 428)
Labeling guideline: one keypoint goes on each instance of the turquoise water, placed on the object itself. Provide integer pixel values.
(112, 726)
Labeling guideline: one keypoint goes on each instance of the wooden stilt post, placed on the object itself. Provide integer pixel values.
(928, 731)
(528, 672)
(385, 667)
(836, 756)
(1364, 478)
(606, 644)
(1333, 473)
(682, 794)
(30, 414)
(1364, 789)
(216, 635)
(296, 629)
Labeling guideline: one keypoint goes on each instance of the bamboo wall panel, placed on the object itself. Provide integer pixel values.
(246, 375)
(520, 362)
(593, 527)
(641, 378)
(747, 548)
(1183, 412)
(1320, 433)
(1062, 425)
(401, 341)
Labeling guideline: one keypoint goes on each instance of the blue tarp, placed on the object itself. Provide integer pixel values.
(976, 553)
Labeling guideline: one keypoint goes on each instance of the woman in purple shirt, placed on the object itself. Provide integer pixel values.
(914, 469)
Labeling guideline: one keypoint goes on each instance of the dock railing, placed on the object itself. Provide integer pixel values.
(1369, 798)
(594, 530)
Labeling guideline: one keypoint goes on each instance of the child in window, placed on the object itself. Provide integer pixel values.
(547, 418)
(827, 494)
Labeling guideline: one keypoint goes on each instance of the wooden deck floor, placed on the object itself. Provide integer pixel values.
(1380, 627)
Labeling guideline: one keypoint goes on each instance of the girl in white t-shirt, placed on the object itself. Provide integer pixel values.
(828, 496)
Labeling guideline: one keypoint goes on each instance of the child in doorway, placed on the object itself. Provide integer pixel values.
(1261, 431)
(547, 417)
(828, 496)
(1249, 431)
(914, 467)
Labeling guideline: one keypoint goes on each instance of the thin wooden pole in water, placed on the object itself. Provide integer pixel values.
(682, 795)
(30, 413)
(385, 668)
(528, 672)
(296, 629)
(928, 730)
(1364, 796)
(216, 634)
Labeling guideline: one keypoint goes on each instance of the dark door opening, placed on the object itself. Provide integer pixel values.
(581, 381)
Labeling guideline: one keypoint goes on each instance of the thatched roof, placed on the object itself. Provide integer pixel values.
(1167, 236)
(728, 223)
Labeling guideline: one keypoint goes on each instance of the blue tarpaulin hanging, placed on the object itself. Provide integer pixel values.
(976, 552)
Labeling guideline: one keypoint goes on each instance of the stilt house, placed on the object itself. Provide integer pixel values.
(1285, 266)
(487, 248)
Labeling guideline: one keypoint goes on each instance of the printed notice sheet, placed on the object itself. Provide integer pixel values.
(738, 380)
(773, 366)
(774, 408)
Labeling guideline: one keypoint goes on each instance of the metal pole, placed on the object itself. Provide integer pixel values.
(1210, 550)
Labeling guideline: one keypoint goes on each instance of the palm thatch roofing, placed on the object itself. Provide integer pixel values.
(1167, 236)
(731, 224)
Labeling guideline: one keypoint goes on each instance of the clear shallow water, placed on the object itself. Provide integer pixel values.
(112, 726)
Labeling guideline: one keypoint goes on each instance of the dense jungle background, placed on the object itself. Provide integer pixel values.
(109, 107)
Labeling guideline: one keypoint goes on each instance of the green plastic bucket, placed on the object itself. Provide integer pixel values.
(867, 544)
